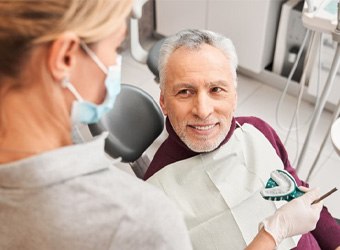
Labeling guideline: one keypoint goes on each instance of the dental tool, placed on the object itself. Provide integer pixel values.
(282, 186)
(325, 195)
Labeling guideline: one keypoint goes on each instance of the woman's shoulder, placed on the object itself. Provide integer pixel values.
(150, 210)
(137, 192)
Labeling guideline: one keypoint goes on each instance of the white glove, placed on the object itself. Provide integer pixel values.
(295, 217)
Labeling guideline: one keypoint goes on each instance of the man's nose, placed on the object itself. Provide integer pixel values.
(202, 106)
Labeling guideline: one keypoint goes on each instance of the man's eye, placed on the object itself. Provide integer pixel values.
(184, 92)
(216, 90)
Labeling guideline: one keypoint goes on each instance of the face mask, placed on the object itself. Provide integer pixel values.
(87, 112)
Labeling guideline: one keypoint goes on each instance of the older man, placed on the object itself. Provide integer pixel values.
(213, 165)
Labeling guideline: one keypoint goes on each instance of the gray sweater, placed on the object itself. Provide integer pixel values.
(73, 198)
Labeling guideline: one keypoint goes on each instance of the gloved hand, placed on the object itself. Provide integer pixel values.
(295, 217)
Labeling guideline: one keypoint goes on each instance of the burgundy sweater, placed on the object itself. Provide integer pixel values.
(327, 233)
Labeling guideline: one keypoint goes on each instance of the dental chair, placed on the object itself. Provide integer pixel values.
(133, 125)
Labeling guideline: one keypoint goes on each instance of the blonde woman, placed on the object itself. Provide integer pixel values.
(59, 67)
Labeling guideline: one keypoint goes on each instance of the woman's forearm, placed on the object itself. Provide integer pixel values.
(263, 241)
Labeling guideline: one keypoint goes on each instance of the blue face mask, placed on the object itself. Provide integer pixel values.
(87, 112)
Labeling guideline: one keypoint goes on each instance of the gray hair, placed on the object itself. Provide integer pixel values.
(193, 39)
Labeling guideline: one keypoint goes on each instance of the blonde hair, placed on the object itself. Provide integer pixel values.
(24, 23)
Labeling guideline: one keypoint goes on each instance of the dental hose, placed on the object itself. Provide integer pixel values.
(323, 99)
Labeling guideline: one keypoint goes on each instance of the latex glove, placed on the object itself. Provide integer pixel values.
(295, 217)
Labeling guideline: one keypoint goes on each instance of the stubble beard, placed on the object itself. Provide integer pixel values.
(204, 145)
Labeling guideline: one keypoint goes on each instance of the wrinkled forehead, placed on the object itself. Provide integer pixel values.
(207, 64)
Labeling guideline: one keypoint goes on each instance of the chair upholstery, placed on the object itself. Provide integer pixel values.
(133, 124)
(152, 59)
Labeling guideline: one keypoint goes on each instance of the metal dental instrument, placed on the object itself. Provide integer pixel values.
(325, 195)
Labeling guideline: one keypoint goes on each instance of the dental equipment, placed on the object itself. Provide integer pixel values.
(322, 21)
(323, 144)
(335, 134)
(137, 51)
(282, 186)
(311, 53)
(148, 57)
(325, 195)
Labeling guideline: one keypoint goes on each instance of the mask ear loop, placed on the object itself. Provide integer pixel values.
(65, 83)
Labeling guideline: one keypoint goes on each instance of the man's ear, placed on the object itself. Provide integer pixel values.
(62, 55)
(162, 104)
